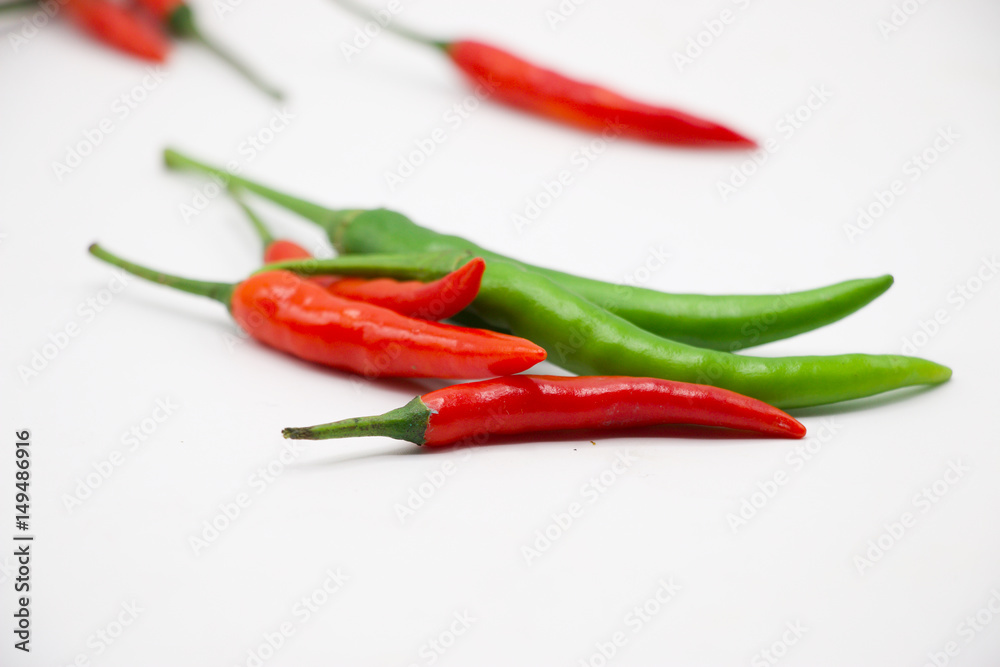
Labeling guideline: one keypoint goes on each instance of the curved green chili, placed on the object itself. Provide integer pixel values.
(718, 322)
(588, 340)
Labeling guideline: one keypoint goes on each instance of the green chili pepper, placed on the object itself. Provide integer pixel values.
(588, 340)
(715, 322)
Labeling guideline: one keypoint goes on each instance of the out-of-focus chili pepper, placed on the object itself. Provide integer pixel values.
(512, 80)
(301, 318)
(718, 322)
(437, 300)
(178, 17)
(469, 413)
(119, 27)
(588, 340)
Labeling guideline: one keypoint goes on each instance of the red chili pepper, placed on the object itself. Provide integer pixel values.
(468, 413)
(437, 300)
(178, 17)
(514, 81)
(301, 318)
(118, 27)
(517, 82)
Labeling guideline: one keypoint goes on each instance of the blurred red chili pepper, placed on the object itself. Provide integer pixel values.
(514, 81)
(517, 82)
(119, 27)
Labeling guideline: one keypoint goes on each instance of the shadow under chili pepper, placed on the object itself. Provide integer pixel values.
(861, 404)
(586, 438)
(148, 303)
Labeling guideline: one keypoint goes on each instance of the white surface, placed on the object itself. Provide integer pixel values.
(334, 506)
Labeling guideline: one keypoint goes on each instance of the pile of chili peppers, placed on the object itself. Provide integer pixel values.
(401, 300)
(643, 357)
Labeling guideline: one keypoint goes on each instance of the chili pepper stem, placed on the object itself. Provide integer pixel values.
(362, 12)
(182, 24)
(263, 232)
(18, 4)
(406, 423)
(327, 218)
(221, 292)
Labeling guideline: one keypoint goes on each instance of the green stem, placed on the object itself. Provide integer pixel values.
(221, 292)
(412, 35)
(18, 4)
(416, 266)
(329, 219)
(265, 235)
(407, 423)
(182, 24)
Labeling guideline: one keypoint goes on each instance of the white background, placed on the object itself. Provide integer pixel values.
(335, 506)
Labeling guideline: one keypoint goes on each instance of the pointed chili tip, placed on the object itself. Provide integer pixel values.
(723, 137)
(739, 141)
(171, 158)
(941, 373)
(794, 428)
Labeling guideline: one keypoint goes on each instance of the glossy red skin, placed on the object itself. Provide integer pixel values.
(514, 81)
(162, 9)
(437, 300)
(118, 27)
(533, 403)
(301, 318)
